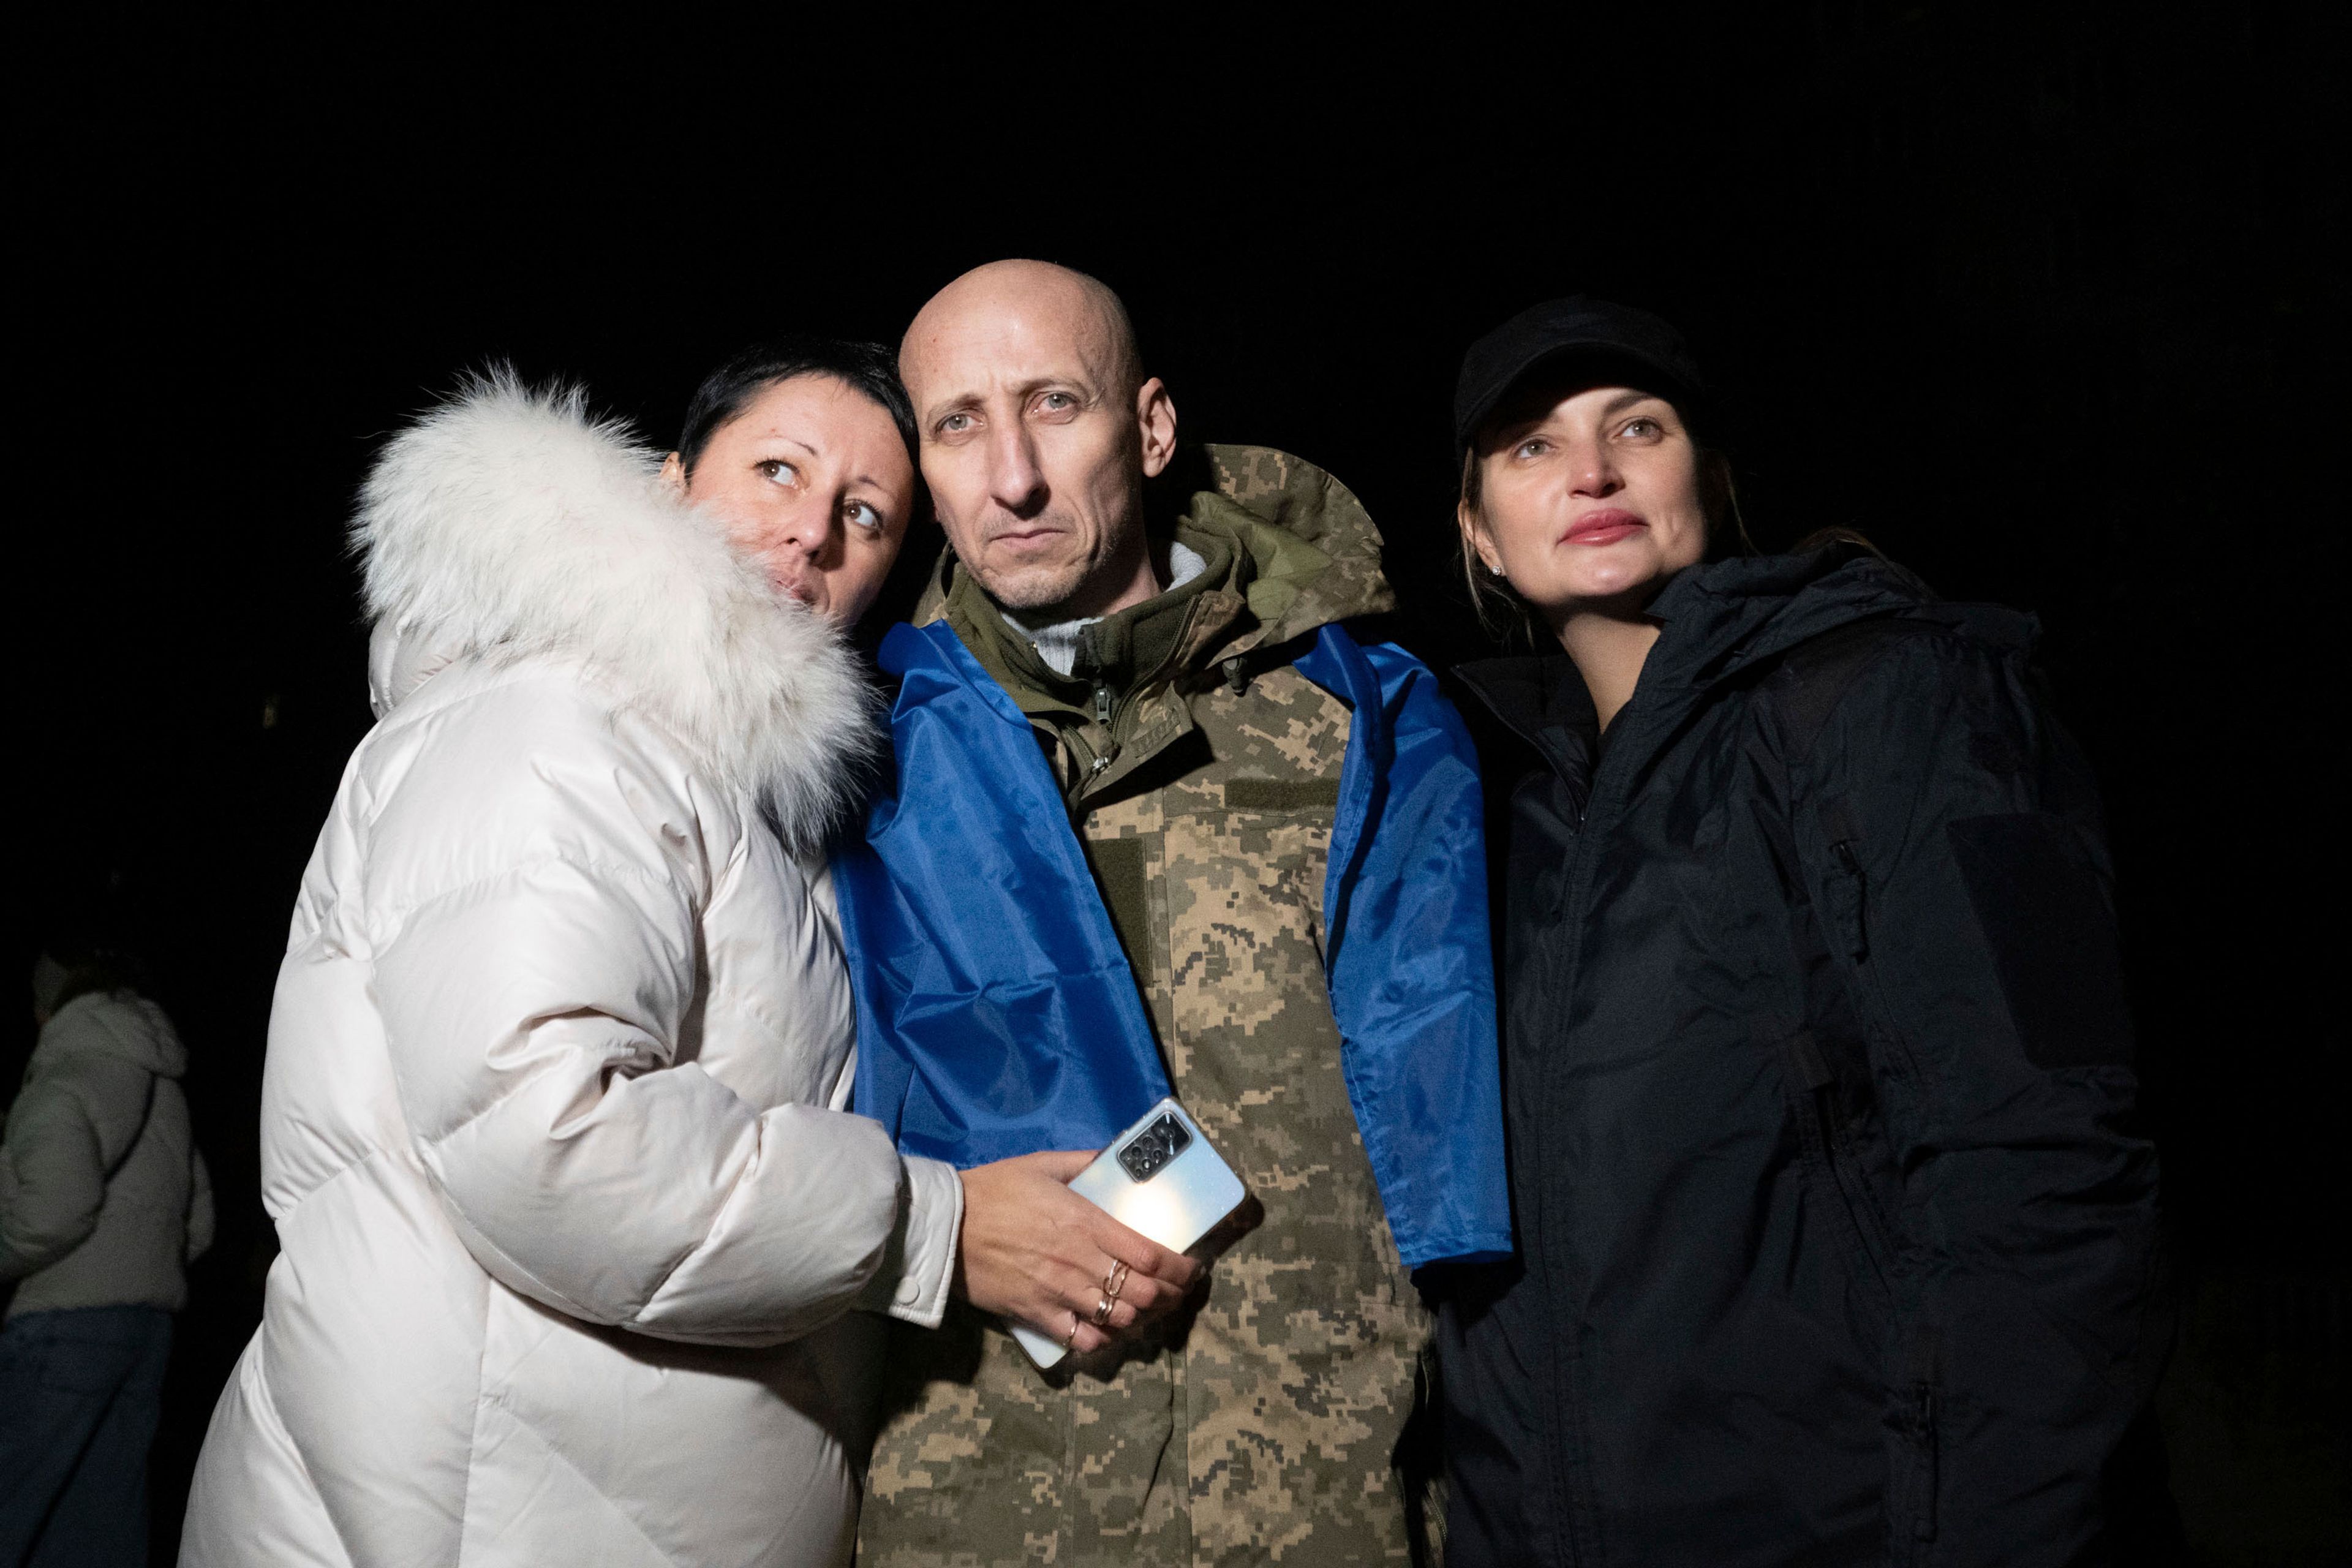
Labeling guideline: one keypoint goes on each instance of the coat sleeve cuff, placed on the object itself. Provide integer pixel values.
(912, 1285)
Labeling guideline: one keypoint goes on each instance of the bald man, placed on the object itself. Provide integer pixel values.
(1127, 721)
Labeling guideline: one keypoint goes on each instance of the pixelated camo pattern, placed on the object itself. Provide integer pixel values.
(1309, 504)
(1266, 1426)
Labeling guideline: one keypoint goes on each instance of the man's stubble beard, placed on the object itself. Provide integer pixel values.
(1036, 591)
(1039, 588)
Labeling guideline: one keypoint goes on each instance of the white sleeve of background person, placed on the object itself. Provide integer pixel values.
(200, 1207)
(52, 1177)
(84, 1102)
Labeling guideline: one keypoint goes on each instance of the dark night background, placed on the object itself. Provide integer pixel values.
(2051, 304)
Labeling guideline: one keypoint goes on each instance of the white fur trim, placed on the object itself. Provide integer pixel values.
(506, 524)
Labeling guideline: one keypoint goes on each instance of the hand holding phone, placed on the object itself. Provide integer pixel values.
(1163, 1178)
(1033, 1251)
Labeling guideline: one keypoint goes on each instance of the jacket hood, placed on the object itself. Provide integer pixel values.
(1722, 619)
(119, 1023)
(506, 524)
(1315, 552)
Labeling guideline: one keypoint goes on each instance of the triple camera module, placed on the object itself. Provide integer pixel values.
(1149, 1152)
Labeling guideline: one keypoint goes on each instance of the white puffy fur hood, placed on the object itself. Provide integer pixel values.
(506, 524)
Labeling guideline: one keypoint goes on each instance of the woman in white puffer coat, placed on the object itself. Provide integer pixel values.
(552, 1121)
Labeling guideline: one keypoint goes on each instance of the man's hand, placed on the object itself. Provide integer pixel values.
(1034, 1251)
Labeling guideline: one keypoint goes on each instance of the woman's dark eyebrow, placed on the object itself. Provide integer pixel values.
(1630, 396)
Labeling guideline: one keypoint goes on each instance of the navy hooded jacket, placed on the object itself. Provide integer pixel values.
(1837, 1232)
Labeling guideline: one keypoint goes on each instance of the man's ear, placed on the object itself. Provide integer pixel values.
(673, 473)
(1155, 419)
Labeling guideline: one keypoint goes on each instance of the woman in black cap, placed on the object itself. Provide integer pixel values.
(1837, 1239)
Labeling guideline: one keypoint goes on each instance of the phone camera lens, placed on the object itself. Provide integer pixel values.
(1154, 1147)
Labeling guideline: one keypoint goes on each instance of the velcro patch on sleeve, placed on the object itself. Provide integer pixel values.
(1282, 795)
(2038, 900)
(1122, 870)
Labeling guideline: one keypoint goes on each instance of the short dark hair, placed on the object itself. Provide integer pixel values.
(867, 368)
(89, 936)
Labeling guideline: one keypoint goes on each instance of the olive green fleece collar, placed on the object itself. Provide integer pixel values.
(1136, 643)
(1271, 570)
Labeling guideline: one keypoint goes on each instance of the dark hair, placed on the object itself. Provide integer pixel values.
(868, 368)
(89, 939)
(1498, 606)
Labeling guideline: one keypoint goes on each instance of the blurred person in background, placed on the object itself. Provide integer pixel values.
(103, 1202)
(575, 1223)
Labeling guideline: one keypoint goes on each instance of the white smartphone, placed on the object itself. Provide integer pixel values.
(1160, 1178)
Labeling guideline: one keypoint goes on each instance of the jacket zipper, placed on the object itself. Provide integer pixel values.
(1109, 704)
(1090, 763)
(1925, 1465)
(1828, 1136)
(1106, 708)
(1571, 1533)
(1919, 1418)
(1570, 1406)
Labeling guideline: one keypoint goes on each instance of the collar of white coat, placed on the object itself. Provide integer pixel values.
(400, 659)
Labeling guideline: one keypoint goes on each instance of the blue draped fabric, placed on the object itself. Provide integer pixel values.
(996, 1014)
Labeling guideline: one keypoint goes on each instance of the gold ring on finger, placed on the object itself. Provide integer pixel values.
(1116, 1281)
(1069, 1340)
(1102, 1312)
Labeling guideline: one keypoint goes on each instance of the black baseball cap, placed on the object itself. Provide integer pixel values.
(1648, 349)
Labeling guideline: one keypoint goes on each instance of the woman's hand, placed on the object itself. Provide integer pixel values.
(1034, 1251)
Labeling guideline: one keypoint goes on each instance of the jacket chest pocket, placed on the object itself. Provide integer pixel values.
(1848, 1163)
(1248, 1004)
(1839, 1140)
(1244, 901)
(1914, 1452)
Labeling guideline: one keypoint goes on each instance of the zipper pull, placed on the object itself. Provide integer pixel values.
(1847, 899)
(1236, 680)
(1923, 1514)
(1848, 895)
(1102, 703)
